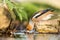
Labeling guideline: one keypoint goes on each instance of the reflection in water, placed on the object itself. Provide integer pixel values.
(47, 37)
(33, 37)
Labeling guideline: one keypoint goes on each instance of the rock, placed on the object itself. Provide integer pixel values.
(4, 18)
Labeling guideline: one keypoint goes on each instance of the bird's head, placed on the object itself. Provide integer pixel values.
(43, 15)
(38, 16)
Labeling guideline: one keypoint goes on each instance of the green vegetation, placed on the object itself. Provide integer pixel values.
(24, 11)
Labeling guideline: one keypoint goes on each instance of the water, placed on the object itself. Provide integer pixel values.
(47, 37)
(33, 37)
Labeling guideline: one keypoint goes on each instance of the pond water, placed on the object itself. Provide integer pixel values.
(33, 37)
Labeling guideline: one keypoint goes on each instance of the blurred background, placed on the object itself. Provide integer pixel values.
(54, 3)
(43, 4)
(28, 8)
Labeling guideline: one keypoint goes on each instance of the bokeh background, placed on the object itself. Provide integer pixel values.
(33, 6)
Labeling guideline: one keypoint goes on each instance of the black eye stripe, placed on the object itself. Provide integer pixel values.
(35, 14)
(39, 15)
(42, 13)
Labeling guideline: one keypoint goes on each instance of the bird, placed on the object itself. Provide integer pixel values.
(43, 15)
(39, 16)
